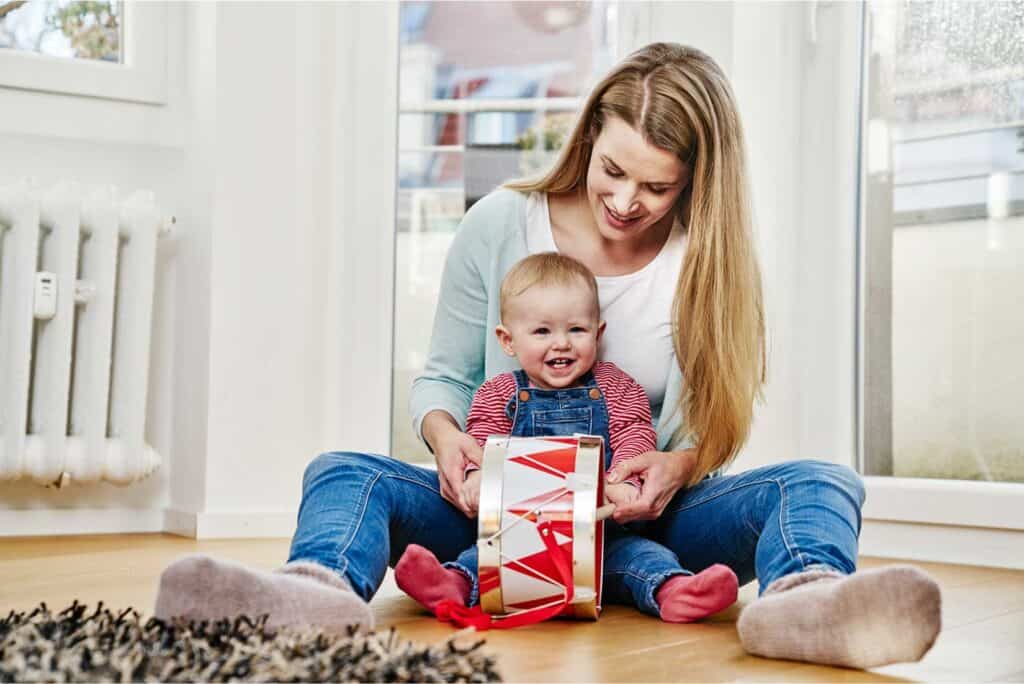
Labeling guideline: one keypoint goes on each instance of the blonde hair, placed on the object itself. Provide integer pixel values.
(679, 100)
(545, 268)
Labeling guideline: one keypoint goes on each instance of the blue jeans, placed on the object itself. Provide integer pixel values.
(360, 511)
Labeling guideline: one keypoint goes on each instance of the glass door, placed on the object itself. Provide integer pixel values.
(943, 241)
(487, 93)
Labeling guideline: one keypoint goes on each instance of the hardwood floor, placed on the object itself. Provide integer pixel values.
(982, 638)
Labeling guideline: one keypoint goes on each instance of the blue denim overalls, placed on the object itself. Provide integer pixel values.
(634, 567)
(559, 413)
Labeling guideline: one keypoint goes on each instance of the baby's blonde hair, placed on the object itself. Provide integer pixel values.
(546, 268)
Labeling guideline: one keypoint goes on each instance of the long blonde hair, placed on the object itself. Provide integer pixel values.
(679, 100)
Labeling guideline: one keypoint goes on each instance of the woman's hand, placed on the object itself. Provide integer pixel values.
(662, 473)
(453, 449)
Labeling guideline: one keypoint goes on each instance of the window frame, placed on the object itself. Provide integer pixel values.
(949, 512)
(141, 77)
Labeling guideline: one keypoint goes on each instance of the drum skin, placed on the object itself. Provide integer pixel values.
(561, 479)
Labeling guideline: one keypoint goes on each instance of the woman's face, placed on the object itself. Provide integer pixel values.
(631, 184)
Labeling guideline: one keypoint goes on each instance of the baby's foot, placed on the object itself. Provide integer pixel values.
(686, 598)
(420, 575)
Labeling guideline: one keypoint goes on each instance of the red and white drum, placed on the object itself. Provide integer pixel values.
(536, 486)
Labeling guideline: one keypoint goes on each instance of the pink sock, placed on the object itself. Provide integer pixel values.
(420, 575)
(686, 598)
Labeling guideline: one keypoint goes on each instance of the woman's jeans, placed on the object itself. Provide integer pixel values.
(360, 511)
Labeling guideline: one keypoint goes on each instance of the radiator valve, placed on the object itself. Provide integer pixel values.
(45, 301)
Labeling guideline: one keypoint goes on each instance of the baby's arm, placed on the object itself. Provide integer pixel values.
(487, 412)
(629, 419)
(622, 492)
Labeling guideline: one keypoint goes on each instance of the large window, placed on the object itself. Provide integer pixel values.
(488, 91)
(943, 329)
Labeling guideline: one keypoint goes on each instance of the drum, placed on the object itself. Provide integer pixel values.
(532, 488)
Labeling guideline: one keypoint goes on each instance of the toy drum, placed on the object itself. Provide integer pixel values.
(540, 525)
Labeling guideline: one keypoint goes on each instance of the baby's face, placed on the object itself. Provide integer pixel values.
(553, 331)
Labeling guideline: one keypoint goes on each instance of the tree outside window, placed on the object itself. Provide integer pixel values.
(59, 28)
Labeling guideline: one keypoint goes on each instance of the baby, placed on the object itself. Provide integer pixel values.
(551, 323)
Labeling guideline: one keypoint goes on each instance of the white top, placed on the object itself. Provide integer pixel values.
(637, 306)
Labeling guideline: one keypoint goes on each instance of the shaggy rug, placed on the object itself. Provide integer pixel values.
(82, 644)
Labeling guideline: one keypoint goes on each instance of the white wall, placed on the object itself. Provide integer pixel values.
(300, 253)
(263, 291)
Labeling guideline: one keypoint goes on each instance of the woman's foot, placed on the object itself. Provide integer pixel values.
(868, 619)
(202, 588)
(420, 575)
(686, 598)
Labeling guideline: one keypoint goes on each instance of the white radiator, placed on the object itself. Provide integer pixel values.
(76, 299)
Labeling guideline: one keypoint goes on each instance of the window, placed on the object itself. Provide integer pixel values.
(61, 28)
(487, 93)
(99, 48)
(943, 241)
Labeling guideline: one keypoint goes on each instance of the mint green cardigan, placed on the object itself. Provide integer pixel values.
(463, 348)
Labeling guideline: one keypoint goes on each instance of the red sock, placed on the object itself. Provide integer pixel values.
(686, 598)
(420, 575)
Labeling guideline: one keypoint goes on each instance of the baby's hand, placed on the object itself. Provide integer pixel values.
(621, 493)
(471, 492)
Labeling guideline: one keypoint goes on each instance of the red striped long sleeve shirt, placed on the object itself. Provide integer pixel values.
(629, 413)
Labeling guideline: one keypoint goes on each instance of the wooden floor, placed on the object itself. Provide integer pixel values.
(982, 639)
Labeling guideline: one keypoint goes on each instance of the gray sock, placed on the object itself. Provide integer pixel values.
(300, 594)
(868, 619)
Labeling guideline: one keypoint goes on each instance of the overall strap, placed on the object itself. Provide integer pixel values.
(512, 406)
(522, 382)
(588, 379)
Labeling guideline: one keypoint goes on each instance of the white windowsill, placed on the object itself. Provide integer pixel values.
(945, 521)
(963, 503)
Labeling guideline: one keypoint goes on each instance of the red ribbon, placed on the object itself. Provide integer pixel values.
(461, 616)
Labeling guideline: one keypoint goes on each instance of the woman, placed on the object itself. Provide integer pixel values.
(650, 193)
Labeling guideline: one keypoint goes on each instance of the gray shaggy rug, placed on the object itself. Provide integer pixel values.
(82, 644)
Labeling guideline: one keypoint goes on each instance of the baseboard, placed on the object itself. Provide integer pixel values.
(181, 523)
(245, 525)
(989, 547)
(51, 522)
(249, 525)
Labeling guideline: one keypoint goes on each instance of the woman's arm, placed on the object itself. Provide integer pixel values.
(663, 474)
(452, 449)
(440, 397)
(629, 416)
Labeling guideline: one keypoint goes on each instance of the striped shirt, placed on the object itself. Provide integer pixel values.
(629, 413)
